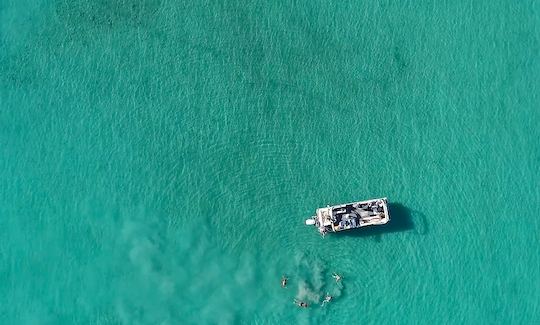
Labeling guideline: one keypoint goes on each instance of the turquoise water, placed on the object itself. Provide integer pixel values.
(159, 159)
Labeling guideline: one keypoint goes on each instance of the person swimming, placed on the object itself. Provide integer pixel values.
(327, 299)
(301, 304)
(336, 276)
(284, 280)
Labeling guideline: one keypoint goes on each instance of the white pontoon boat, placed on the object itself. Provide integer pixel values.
(350, 216)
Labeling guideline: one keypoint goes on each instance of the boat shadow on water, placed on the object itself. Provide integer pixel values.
(401, 220)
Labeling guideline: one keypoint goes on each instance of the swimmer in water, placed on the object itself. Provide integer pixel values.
(336, 276)
(300, 304)
(284, 280)
(327, 299)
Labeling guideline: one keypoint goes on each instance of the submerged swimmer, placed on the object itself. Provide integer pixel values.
(327, 299)
(336, 276)
(284, 280)
(300, 304)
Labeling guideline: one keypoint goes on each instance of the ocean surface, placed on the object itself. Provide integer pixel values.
(158, 159)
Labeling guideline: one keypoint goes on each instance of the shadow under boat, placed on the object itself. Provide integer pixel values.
(400, 220)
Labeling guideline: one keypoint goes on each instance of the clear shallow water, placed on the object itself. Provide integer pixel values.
(158, 161)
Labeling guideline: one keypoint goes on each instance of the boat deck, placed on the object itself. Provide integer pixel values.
(352, 215)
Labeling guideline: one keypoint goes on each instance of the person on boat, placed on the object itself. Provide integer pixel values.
(284, 280)
(327, 299)
(301, 304)
(336, 276)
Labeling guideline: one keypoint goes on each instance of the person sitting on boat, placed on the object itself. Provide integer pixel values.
(284, 280)
(327, 299)
(336, 276)
(301, 304)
